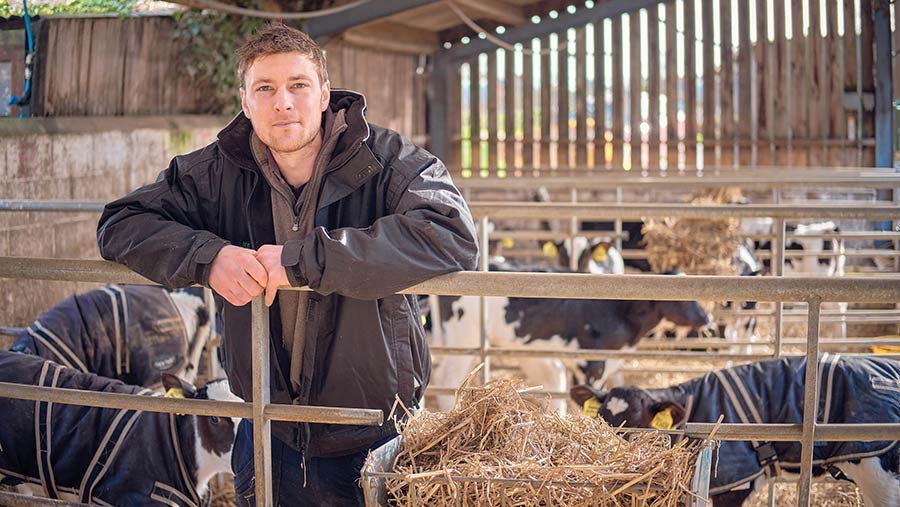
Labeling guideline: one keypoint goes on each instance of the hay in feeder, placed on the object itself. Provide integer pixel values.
(696, 246)
(500, 446)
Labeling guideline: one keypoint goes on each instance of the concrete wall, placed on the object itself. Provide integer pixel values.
(96, 159)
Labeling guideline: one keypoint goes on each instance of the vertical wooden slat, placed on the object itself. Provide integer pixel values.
(492, 110)
(868, 76)
(599, 95)
(83, 70)
(545, 103)
(527, 108)
(690, 86)
(475, 112)
(672, 86)
(634, 88)
(581, 143)
(653, 84)
(800, 87)
(817, 122)
(454, 115)
(771, 69)
(727, 107)
(509, 111)
(709, 84)
(837, 119)
(562, 89)
(851, 79)
(760, 55)
(780, 90)
(618, 94)
(744, 113)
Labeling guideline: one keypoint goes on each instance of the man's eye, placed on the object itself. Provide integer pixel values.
(299, 85)
(264, 88)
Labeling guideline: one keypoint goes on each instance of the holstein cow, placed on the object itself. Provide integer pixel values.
(106, 456)
(852, 390)
(132, 333)
(551, 323)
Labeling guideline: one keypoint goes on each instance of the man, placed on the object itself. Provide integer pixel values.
(299, 189)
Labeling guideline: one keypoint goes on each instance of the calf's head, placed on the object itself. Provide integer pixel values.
(632, 407)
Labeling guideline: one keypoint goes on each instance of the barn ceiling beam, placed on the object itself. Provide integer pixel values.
(393, 37)
(547, 26)
(496, 10)
(366, 13)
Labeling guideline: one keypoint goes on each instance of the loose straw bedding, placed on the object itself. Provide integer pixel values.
(501, 447)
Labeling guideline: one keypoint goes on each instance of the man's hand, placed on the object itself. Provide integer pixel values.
(270, 258)
(237, 276)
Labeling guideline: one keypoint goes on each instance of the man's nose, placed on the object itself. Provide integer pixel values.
(284, 101)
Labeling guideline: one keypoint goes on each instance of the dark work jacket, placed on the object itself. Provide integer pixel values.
(852, 390)
(104, 456)
(388, 217)
(132, 333)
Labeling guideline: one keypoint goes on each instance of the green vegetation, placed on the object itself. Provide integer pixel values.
(117, 7)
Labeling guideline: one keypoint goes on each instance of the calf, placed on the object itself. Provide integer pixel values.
(107, 456)
(852, 390)
(554, 323)
(132, 333)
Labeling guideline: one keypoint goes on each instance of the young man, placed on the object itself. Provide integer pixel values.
(299, 189)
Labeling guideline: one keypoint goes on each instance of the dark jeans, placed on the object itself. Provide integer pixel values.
(329, 481)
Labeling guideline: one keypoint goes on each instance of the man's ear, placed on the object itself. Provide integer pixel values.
(667, 415)
(326, 95)
(582, 393)
(244, 107)
(171, 382)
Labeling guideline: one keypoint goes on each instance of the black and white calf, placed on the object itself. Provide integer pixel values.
(108, 456)
(551, 323)
(852, 390)
(132, 333)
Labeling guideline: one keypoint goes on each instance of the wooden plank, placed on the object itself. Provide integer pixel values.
(672, 86)
(895, 44)
(653, 85)
(618, 94)
(475, 113)
(766, 154)
(690, 86)
(492, 85)
(744, 113)
(868, 74)
(454, 115)
(817, 120)
(835, 104)
(509, 111)
(527, 108)
(581, 141)
(107, 67)
(562, 101)
(799, 85)
(545, 103)
(780, 89)
(599, 94)
(709, 84)
(728, 128)
(635, 89)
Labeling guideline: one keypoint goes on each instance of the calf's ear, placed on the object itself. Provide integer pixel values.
(583, 393)
(174, 384)
(667, 415)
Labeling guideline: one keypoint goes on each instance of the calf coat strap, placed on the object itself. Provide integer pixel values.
(185, 475)
(170, 496)
(43, 422)
(120, 324)
(59, 347)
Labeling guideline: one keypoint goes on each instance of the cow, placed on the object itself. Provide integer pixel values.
(132, 333)
(591, 256)
(105, 456)
(852, 390)
(551, 323)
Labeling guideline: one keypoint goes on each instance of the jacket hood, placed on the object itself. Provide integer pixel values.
(234, 139)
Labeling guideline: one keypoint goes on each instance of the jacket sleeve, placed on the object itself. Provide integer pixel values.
(162, 230)
(429, 233)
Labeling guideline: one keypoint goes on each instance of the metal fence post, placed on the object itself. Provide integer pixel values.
(777, 262)
(262, 427)
(810, 402)
(482, 304)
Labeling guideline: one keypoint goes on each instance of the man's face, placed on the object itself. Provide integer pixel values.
(284, 100)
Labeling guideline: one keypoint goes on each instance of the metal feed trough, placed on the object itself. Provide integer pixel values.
(379, 465)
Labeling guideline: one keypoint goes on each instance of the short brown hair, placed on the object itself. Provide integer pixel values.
(274, 38)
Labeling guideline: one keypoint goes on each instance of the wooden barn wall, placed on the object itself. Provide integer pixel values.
(760, 83)
(394, 90)
(112, 67)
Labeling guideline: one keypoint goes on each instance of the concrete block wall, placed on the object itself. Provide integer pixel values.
(94, 159)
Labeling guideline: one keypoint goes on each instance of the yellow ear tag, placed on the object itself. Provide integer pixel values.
(591, 407)
(663, 420)
(550, 249)
(600, 254)
(174, 393)
(424, 320)
(507, 242)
